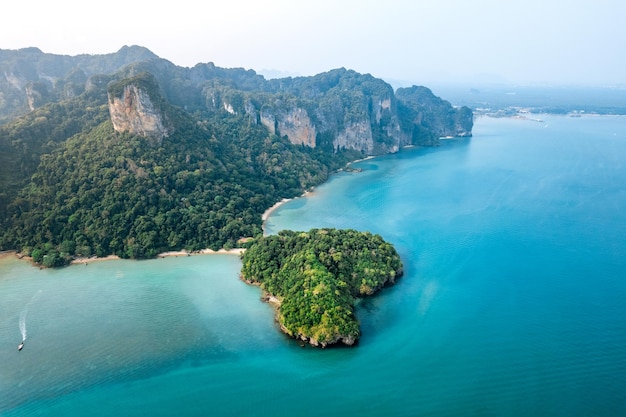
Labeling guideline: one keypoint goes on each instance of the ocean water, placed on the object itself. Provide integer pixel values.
(513, 301)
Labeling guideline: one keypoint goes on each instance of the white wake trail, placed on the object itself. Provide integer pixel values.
(24, 313)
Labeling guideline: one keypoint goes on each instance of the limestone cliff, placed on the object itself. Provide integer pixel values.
(338, 110)
(298, 127)
(433, 118)
(356, 135)
(31, 97)
(369, 122)
(267, 119)
(334, 111)
(135, 107)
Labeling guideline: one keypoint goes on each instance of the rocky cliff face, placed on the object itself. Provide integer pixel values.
(338, 110)
(369, 124)
(135, 111)
(294, 123)
(432, 117)
(357, 136)
(298, 127)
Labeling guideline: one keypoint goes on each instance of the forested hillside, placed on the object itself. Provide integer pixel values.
(129, 154)
(102, 192)
(314, 278)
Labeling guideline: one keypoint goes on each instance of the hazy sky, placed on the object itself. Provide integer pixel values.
(532, 41)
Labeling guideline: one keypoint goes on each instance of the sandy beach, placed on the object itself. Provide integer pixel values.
(274, 207)
(235, 251)
(94, 259)
(269, 211)
(7, 254)
(360, 160)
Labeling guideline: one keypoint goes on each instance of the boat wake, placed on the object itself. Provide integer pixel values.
(23, 314)
(23, 323)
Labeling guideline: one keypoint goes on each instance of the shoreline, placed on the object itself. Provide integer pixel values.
(270, 210)
(361, 160)
(266, 214)
(93, 259)
(169, 254)
(234, 251)
(6, 254)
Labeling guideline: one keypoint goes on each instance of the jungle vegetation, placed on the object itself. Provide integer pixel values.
(102, 192)
(316, 277)
(71, 186)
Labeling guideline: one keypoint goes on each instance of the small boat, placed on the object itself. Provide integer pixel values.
(20, 346)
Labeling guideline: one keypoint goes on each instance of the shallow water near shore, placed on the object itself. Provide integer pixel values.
(512, 301)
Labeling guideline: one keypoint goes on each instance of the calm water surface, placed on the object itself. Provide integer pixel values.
(513, 301)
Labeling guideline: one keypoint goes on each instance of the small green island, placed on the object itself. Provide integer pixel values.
(314, 278)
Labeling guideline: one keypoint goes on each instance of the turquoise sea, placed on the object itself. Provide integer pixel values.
(513, 302)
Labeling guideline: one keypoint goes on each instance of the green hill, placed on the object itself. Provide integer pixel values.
(103, 192)
(313, 279)
(129, 154)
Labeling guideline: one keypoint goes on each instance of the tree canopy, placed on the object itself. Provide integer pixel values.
(316, 276)
(206, 186)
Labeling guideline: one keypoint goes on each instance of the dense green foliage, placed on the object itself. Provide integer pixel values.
(103, 192)
(317, 275)
(40, 132)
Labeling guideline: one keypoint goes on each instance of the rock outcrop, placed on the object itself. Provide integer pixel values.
(357, 136)
(137, 109)
(298, 127)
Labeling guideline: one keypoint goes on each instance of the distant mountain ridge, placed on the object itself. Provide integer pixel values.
(31, 78)
(80, 134)
(301, 106)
